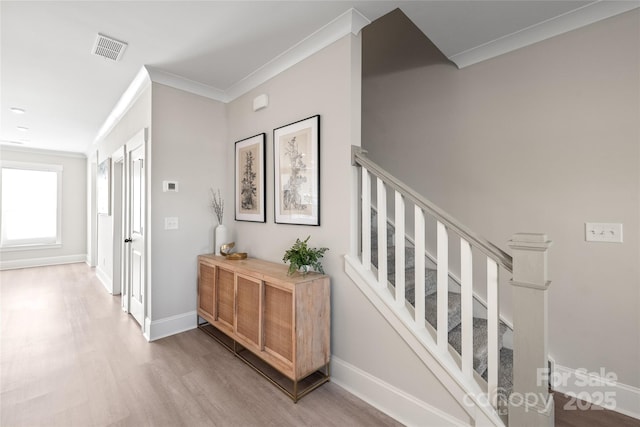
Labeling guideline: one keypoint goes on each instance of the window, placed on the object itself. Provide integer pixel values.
(30, 195)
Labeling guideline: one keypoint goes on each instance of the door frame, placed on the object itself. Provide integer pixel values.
(119, 268)
(139, 139)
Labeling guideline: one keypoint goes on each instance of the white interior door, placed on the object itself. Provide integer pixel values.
(136, 240)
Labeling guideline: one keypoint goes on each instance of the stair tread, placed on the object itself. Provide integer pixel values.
(454, 308)
(480, 337)
(505, 372)
(480, 342)
(430, 283)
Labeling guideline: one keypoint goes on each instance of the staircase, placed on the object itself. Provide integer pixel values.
(459, 337)
(480, 328)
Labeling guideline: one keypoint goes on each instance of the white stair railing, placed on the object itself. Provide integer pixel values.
(528, 268)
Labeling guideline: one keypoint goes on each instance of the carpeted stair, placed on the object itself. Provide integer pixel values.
(480, 337)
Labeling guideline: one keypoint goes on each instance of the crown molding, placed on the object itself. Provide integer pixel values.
(140, 82)
(173, 80)
(42, 151)
(350, 22)
(569, 21)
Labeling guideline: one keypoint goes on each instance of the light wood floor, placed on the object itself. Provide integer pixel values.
(71, 357)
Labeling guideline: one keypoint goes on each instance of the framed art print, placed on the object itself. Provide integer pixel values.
(297, 172)
(250, 179)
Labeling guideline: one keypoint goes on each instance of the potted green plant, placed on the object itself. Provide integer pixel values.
(303, 258)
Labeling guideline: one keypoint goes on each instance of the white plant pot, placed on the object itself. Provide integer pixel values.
(304, 269)
(222, 236)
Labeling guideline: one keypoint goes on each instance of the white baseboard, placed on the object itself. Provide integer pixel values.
(104, 279)
(156, 329)
(396, 403)
(87, 260)
(594, 388)
(41, 262)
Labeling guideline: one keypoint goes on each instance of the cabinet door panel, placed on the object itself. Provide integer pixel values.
(278, 321)
(224, 294)
(248, 309)
(206, 280)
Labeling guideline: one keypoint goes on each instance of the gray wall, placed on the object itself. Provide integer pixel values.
(188, 134)
(186, 144)
(542, 139)
(74, 208)
(328, 83)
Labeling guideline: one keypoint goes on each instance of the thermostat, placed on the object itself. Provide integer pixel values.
(170, 186)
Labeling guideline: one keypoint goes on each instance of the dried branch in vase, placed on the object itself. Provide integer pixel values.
(217, 204)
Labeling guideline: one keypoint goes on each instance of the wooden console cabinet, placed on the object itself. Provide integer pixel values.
(283, 320)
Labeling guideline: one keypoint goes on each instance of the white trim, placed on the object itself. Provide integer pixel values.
(452, 276)
(577, 18)
(30, 247)
(41, 262)
(156, 329)
(350, 22)
(589, 386)
(173, 80)
(140, 82)
(421, 341)
(104, 278)
(147, 328)
(42, 151)
(403, 407)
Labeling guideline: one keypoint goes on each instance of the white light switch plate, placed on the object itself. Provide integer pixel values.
(171, 223)
(603, 232)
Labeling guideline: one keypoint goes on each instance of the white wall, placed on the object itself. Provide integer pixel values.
(133, 121)
(74, 210)
(189, 146)
(542, 139)
(328, 83)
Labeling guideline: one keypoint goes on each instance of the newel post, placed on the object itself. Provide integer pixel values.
(530, 403)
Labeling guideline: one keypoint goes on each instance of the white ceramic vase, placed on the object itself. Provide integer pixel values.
(221, 237)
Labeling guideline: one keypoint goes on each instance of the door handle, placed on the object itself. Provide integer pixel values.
(128, 240)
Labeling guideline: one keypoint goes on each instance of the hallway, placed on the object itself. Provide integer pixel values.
(71, 357)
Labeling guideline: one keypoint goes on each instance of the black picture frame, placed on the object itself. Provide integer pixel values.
(250, 179)
(297, 172)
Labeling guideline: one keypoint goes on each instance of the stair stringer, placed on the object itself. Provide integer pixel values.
(467, 393)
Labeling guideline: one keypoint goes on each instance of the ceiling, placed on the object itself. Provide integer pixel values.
(47, 69)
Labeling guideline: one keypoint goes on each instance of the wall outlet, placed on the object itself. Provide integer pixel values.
(603, 232)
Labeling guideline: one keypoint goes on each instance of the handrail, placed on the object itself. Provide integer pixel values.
(358, 158)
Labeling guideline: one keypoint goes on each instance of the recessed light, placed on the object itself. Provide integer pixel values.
(17, 110)
(23, 128)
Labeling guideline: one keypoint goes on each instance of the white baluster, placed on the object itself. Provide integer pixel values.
(466, 297)
(382, 232)
(399, 240)
(443, 287)
(419, 267)
(493, 319)
(366, 219)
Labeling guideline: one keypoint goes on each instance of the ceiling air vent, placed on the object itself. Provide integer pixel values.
(108, 48)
